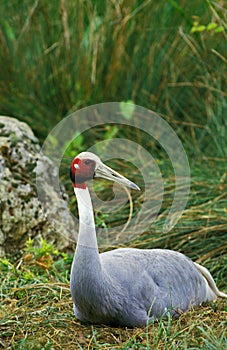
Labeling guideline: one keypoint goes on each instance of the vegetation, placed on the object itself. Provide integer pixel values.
(167, 56)
(60, 56)
(36, 313)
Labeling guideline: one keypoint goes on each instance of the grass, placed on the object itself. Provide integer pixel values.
(36, 313)
(76, 53)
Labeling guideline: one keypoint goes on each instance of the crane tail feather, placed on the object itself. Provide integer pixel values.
(206, 274)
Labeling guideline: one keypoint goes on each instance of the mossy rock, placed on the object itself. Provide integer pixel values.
(21, 212)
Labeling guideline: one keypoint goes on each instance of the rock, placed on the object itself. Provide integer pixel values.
(21, 211)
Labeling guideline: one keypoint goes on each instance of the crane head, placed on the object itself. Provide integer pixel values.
(87, 165)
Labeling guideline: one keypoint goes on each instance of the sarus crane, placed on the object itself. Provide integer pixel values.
(128, 286)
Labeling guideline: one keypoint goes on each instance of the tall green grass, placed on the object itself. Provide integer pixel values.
(59, 56)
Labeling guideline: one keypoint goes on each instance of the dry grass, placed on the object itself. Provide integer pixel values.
(42, 318)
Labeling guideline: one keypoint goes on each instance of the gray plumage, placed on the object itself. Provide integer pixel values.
(128, 287)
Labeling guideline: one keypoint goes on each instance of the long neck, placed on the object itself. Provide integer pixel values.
(87, 276)
(87, 234)
(86, 270)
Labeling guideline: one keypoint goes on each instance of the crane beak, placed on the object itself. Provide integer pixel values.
(106, 172)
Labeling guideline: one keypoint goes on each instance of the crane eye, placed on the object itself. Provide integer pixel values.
(87, 161)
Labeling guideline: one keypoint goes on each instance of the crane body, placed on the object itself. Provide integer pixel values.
(128, 286)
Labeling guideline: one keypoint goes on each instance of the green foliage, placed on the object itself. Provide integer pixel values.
(43, 248)
(75, 146)
(57, 61)
(211, 342)
(211, 27)
(127, 108)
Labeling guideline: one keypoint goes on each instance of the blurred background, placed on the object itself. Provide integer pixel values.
(57, 57)
(170, 56)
